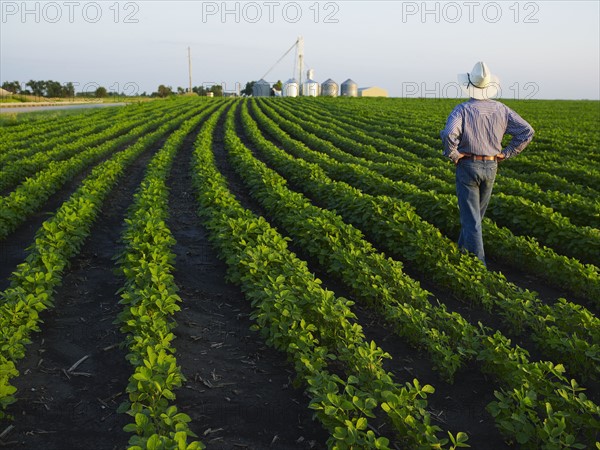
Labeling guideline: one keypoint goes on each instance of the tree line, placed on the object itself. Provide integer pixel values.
(165, 91)
(41, 88)
(55, 89)
(51, 89)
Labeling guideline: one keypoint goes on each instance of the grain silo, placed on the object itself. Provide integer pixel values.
(329, 88)
(310, 88)
(261, 89)
(291, 88)
(349, 88)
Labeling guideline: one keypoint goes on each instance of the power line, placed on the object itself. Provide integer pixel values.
(279, 60)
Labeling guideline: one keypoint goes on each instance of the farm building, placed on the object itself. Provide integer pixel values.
(5, 93)
(372, 91)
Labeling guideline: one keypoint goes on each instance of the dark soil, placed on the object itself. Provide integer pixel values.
(14, 247)
(238, 391)
(57, 409)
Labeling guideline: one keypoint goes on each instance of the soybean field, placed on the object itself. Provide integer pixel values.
(282, 273)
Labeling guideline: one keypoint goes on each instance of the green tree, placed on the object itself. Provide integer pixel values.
(278, 86)
(164, 91)
(200, 90)
(248, 89)
(37, 87)
(217, 90)
(68, 90)
(13, 87)
(53, 89)
(100, 92)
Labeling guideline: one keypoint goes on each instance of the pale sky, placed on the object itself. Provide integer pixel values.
(538, 49)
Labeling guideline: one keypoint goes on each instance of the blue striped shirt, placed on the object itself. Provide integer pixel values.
(478, 126)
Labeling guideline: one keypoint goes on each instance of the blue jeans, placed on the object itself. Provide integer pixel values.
(474, 183)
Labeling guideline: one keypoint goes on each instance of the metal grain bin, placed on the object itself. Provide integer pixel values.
(291, 88)
(310, 88)
(329, 88)
(261, 89)
(349, 88)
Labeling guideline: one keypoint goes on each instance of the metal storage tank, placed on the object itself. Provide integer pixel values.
(329, 88)
(310, 88)
(291, 88)
(349, 88)
(261, 89)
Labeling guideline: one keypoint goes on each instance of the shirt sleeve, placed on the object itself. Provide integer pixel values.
(521, 132)
(452, 133)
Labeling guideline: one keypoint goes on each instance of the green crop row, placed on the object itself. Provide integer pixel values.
(396, 227)
(33, 192)
(16, 168)
(556, 150)
(560, 163)
(572, 171)
(33, 283)
(28, 197)
(64, 130)
(35, 156)
(31, 132)
(303, 151)
(413, 134)
(55, 134)
(520, 215)
(441, 210)
(311, 325)
(33, 129)
(150, 299)
(447, 337)
(580, 210)
(37, 151)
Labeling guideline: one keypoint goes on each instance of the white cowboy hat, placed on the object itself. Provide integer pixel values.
(480, 83)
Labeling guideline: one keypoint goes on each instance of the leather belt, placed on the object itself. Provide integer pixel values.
(479, 157)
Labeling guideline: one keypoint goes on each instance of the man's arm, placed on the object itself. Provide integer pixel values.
(451, 135)
(521, 132)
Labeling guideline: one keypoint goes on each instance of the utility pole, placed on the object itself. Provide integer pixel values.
(300, 53)
(190, 68)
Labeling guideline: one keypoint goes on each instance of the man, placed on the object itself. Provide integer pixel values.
(472, 139)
